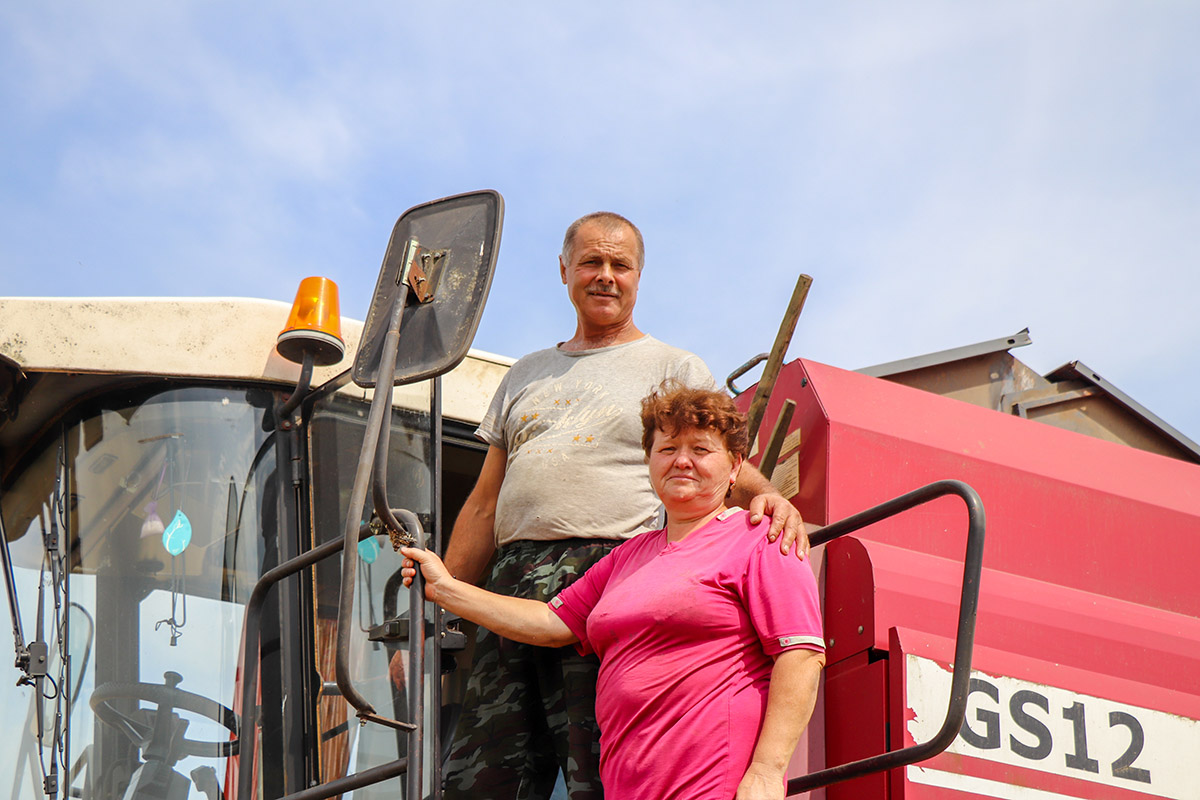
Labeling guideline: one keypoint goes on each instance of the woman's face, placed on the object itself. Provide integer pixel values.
(692, 470)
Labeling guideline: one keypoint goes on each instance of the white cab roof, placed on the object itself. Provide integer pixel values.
(231, 338)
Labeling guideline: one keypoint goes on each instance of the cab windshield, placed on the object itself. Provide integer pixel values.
(137, 533)
(157, 507)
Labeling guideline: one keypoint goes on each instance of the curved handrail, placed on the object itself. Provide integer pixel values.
(964, 641)
(742, 370)
(251, 633)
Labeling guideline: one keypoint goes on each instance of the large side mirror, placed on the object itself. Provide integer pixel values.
(440, 260)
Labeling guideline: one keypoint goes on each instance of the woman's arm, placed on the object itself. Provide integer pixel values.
(511, 617)
(790, 702)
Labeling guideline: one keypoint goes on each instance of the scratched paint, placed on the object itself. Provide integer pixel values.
(1053, 730)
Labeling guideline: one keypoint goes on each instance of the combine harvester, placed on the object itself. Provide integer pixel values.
(205, 602)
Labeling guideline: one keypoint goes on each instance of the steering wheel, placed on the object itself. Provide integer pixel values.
(167, 697)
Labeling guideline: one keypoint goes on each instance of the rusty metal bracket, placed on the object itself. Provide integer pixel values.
(419, 272)
(419, 283)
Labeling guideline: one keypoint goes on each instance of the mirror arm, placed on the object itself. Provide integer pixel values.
(372, 465)
(380, 407)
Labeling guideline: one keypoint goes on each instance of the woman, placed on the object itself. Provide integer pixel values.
(709, 638)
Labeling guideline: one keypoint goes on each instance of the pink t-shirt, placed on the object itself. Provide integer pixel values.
(686, 633)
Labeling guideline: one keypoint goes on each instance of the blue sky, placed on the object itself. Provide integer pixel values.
(947, 172)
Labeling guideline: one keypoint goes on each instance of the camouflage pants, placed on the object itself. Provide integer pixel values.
(529, 711)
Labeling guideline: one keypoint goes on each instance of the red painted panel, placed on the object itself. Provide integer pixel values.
(855, 697)
(881, 587)
(850, 601)
(1062, 507)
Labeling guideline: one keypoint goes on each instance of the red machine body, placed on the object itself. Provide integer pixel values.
(1086, 670)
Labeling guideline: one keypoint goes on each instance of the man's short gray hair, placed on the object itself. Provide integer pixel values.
(609, 220)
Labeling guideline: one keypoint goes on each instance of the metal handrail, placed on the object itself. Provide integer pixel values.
(251, 632)
(742, 370)
(372, 463)
(349, 783)
(964, 641)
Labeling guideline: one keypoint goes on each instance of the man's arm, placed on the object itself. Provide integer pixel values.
(790, 701)
(756, 494)
(473, 540)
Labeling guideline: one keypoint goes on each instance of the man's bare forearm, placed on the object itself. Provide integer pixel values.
(473, 540)
(757, 495)
(750, 484)
(472, 544)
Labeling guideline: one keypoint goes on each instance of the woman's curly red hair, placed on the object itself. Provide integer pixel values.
(673, 407)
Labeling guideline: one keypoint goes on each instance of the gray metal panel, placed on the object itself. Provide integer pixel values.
(1077, 370)
(1019, 339)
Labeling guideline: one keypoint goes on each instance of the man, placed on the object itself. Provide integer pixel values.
(565, 480)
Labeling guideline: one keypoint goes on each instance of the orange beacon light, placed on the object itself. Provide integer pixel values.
(314, 326)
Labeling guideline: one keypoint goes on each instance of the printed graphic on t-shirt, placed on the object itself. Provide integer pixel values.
(562, 415)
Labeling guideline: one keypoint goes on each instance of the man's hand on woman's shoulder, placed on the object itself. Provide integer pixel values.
(786, 523)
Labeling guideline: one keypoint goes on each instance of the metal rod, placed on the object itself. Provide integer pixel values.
(435, 444)
(380, 408)
(416, 662)
(10, 586)
(964, 641)
(787, 327)
(330, 386)
(379, 498)
(351, 782)
(300, 393)
(742, 370)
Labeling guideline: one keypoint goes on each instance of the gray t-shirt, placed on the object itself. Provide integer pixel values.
(571, 424)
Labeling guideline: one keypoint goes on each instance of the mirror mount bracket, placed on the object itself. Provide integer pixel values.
(419, 270)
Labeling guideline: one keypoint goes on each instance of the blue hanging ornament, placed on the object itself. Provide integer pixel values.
(178, 534)
(368, 550)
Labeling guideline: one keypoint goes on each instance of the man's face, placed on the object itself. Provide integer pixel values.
(602, 277)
